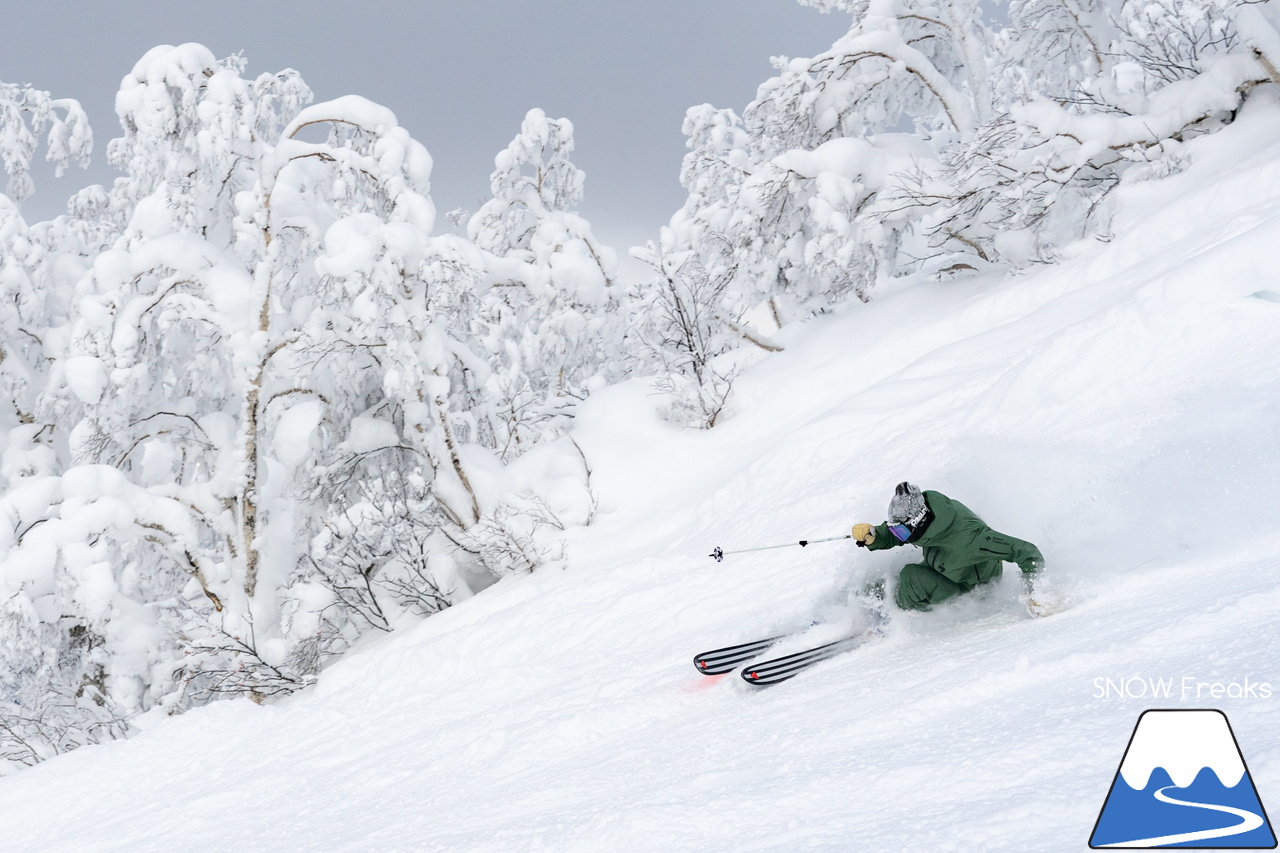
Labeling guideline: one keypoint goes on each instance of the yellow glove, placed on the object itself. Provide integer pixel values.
(863, 534)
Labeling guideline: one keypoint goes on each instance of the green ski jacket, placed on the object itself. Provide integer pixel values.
(961, 547)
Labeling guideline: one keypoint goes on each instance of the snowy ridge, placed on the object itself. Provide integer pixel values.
(1120, 410)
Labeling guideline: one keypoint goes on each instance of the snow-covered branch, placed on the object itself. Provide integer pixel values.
(26, 114)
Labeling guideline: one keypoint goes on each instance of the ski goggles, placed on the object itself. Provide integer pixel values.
(900, 532)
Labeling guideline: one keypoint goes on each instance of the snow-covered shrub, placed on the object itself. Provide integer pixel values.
(54, 696)
(683, 335)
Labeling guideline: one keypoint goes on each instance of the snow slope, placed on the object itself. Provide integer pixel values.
(1121, 410)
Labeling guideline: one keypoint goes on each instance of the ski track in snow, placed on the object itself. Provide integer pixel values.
(1119, 409)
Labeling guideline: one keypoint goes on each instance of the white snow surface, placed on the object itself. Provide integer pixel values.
(1119, 409)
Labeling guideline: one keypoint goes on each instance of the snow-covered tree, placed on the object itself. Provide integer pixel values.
(1038, 173)
(544, 317)
(931, 141)
(194, 136)
(790, 204)
(149, 383)
(257, 409)
(260, 427)
(28, 264)
(928, 139)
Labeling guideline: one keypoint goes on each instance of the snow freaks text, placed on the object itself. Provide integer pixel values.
(1185, 688)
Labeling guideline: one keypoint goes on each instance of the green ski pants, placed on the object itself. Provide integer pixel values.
(920, 587)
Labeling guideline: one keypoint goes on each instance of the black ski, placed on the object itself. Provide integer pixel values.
(719, 661)
(780, 669)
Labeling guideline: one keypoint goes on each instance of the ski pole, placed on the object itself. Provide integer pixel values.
(719, 554)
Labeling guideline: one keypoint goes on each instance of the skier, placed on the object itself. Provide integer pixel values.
(960, 551)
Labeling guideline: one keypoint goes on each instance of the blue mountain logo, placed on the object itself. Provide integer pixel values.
(1183, 783)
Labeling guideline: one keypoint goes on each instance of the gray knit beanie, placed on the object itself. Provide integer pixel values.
(907, 506)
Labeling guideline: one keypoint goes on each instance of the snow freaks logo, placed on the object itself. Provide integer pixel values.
(1183, 783)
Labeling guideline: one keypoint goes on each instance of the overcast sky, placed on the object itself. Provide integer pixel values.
(460, 75)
